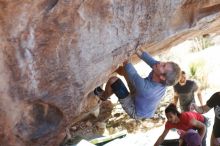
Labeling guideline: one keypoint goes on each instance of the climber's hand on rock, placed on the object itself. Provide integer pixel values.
(139, 52)
(127, 61)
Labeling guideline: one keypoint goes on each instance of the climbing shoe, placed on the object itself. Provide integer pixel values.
(98, 91)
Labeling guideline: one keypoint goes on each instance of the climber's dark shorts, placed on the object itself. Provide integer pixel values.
(125, 98)
(119, 89)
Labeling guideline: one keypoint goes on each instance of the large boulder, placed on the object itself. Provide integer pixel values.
(55, 52)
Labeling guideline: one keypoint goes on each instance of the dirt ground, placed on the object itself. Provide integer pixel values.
(112, 119)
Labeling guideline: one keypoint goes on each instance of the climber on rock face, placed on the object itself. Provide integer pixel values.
(145, 93)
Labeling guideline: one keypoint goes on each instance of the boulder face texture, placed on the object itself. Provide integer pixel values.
(55, 52)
